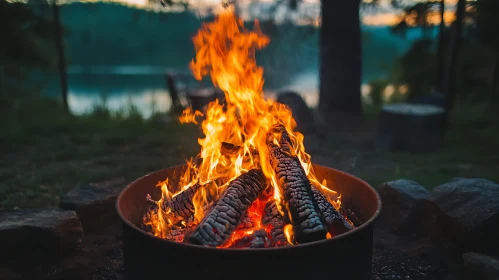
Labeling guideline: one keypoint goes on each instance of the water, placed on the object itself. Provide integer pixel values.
(145, 88)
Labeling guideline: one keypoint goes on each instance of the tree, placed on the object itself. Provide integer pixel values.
(485, 29)
(419, 14)
(449, 82)
(60, 55)
(24, 45)
(441, 48)
(340, 51)
(340, 58)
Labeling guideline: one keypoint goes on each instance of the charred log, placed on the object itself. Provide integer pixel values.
(181, 204)
(226, 215)
(273, 219)
(352, 217)
(298, 198)
(257, 239)
(177, 235)
(332, 219)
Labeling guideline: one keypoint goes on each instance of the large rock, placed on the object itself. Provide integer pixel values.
(301, 112)
(481, 266)
(474, 205)
(94, 203)
(30, 234)
(399, 198)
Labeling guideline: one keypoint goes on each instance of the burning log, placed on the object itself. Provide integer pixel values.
(226, 215)
(332, 219)
(181, 204)
(257, 239)
(352, 217)
(273, 219)
(298, 199)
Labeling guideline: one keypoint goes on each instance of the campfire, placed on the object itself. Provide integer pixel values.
(252, 185)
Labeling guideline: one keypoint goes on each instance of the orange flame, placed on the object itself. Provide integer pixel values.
(225, 50)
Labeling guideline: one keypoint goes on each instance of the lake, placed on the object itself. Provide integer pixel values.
(145, 88)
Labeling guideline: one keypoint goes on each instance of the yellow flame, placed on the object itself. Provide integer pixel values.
(290, 235)
(225, 51)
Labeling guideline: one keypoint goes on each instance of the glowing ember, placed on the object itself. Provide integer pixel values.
(236, 136)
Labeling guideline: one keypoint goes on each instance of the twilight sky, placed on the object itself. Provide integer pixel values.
(309, 10)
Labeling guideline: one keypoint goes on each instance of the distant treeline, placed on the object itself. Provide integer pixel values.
(111, 34)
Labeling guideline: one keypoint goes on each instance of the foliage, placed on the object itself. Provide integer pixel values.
(417, 67)
(28, 44)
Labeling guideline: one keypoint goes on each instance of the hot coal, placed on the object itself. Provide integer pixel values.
(246, 222)
(298, 199)
(332, 219)
(257, 239)
(223, 219)
(273, 219)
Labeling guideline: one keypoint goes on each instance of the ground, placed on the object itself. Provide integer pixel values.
(46, 152)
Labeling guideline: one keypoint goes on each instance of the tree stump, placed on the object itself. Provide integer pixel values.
(410, 127)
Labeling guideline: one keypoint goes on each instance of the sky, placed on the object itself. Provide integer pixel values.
(309, 10)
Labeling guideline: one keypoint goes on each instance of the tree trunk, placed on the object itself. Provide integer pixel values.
(495, 81)
(455, 46)
(440, 53)
(60, 55)
(340, 58)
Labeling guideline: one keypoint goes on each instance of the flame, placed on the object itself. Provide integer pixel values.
(288, 232)
(225, 51)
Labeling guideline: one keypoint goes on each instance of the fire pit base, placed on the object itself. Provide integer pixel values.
(347, 256)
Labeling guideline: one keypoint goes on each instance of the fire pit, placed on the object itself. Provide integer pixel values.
(251, 205)
(347, 256)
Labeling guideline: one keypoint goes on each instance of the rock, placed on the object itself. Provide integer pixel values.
(399, 199)
(301, 112)
(474, 205)
(427, 220)
(30, 234)
(481, 266)
(94, 203)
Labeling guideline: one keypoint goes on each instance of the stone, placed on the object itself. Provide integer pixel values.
(481, 266)
(94, 203)
(302, 114)
(32, 234)
(399, 199)
(474, 205)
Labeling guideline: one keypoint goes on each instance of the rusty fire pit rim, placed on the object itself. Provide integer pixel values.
(193, 246)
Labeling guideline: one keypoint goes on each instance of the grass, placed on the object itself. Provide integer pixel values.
(469, 150)
(46, 152)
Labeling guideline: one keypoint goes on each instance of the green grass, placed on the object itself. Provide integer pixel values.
(469, 150)
(46, 152)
